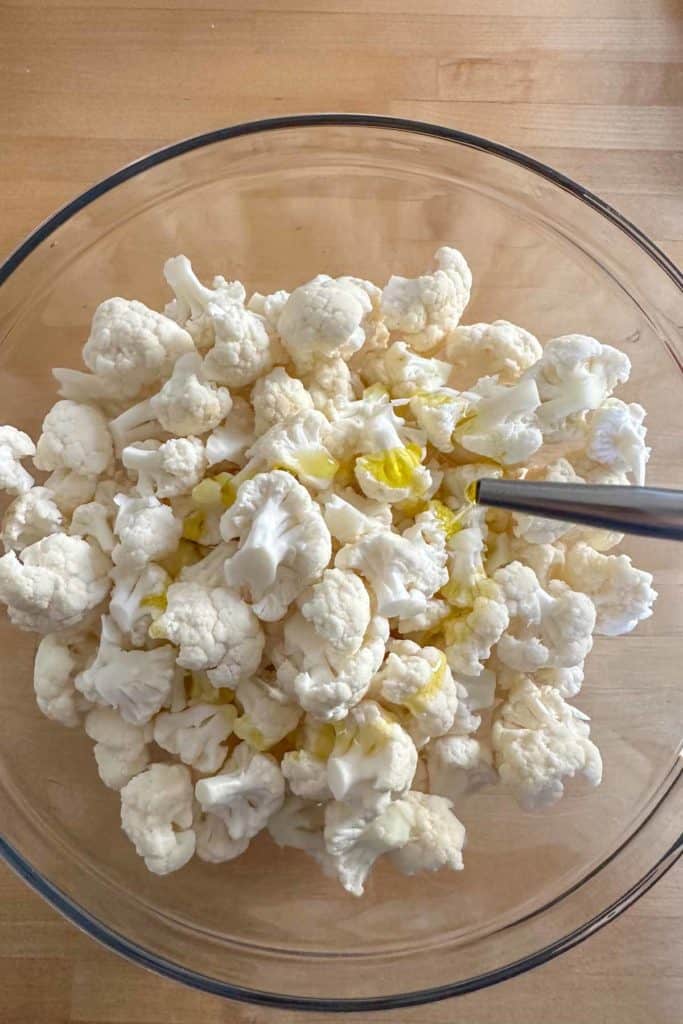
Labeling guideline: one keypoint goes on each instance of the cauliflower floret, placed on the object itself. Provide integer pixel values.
(417, 682)
(167, 469)
(373, 757)
(438, 413)
(338, 608)
(330, 385)
(501, 422)
(147, 531)
(15, 445)
(59, 659)
(192, 299)
(74, 437)
(156, 815)
(138, 683)
(436, 836)
(131, 347)
(427, 621)
(349, 515)
(470, 637)
(197, 734)
(284, 543)
(31, 516)
(499, 348)
(355, 839)
(327, 683)
(322, 319)
(536, 529)
(426, 308)
(615, 438)
(230, 441)
(539, 740)
(622, 595)
(458, 765)
(269, 306)
(242, 350)
(137, 597)
(267, 715)
(299, 824)
(214, 844)
(306, 775)
(389, 471)
(409, 374)
(552, 627)
(276, 397)
(186, 405)
(567, 681)
(69, 489)
(54, 583)
(403, 571)
(121, 750)
(248, 791)
(465, 565)
(574, 375)
(214, 629)
(298, 444)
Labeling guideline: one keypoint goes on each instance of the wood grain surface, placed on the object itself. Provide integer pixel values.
(593, 87)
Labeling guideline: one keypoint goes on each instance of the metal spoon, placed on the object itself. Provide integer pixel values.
(648, 511)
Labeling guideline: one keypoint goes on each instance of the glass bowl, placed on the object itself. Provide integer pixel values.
(273, 203)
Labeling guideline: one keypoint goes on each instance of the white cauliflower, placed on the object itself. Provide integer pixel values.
(436, 837)
(458, 765)
(214, 844)
(372, 759)
(574, 375)
(229, 441)
(615, 438)
(500, 423)
(167, 469)
(15, 445)
(59, 659)
(426, 308)
(325, 682)
(416, 683)
(197, 734)
(409, 374)
(535, 529)
(550, 627)
(269, 306)
(500, 348)
(438, 413)
(538, 741)
(69, 489)
(306, 775)
(146, 530)
(622, 595)
(121, 750)
(267, 714)
(297, 444)
(331, 386)
(137, 683)
(74, 437)
(324, 318)
(470, 636)
(54, 583)
(349, 515)
(389, 470)
(338, 608)
(31, 516)
(403, 572)
(246, 793)
(299, 824)
(355, 839)
(214, 631)
(427, 621)
(194, 304)
(137, 597)
(276, 397)
(188, 404)
(242, 349)
(465, 564)
(284, 543)
(156, 815)
(131, 347)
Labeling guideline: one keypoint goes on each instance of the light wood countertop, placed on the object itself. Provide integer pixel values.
(592, 87)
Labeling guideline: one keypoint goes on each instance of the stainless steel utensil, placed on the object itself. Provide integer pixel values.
(648, 511)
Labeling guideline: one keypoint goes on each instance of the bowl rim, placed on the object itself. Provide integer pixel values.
(117, 942)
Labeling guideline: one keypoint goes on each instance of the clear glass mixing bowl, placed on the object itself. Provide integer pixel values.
(273, 203)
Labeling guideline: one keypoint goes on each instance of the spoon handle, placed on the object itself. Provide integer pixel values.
(648, 511)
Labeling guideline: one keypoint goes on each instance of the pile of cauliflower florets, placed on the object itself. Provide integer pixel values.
(264, 592)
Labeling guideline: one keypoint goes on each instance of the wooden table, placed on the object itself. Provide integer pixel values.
(595, 90)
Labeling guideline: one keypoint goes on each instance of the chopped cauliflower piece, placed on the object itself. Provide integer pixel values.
(436, 837)
(501, 422)
(416, 683)
(267, 715)
(156, 815)
(424, 309)
(298, 444)
(245, 794)
(339, 610)
(74, 437)
(59, 659)
(166, 469)
(500, 348)
(197, 734)
(458, 765)
(409, 374)
(322, 319)
(15, 446)
(615, 438)
(622, 595)
(277, 397)
(121, 750)
(354, 839)
(31, 516)
(147, 531)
